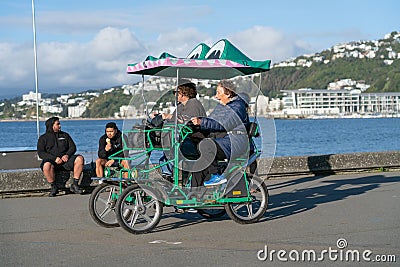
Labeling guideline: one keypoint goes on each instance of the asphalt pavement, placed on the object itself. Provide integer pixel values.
(335, 220)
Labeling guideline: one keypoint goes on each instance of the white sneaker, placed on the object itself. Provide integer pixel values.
(191, 210)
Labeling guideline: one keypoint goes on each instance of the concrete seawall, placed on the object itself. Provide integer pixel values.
(25, 180)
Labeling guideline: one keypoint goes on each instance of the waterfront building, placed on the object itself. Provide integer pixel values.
(55, 109)
(305, 102)
(76, 111)
(31, 97)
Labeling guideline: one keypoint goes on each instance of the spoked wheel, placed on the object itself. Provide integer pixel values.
(138, 209)
(102, 204)
(211, 213)
(250, 212)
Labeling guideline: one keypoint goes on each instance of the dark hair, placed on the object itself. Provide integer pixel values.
(188, 89)
(54, 119)
(111, 125)
(229, 88)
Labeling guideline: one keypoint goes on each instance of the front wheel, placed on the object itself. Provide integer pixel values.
(250, 212)
(102, 204)
(138, 209)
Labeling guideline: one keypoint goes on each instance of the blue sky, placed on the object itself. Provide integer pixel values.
(87, 44)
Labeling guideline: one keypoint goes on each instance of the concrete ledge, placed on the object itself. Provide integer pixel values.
(19, 160)
(33, 179)
(26, 180)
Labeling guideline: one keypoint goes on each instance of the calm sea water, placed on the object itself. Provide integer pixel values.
(292, 137)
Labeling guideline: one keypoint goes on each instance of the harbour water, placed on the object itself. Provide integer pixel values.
(293, 137)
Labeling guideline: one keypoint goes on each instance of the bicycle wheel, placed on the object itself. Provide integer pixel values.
(250, 212)
(211, 213)
(138, 209)
(102, 204)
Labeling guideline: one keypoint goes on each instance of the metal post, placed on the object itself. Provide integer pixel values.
(36, 72)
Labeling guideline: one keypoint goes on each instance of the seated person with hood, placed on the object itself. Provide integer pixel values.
(109, 144)
(57, 151)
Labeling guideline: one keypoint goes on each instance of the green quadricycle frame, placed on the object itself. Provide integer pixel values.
(134, 197)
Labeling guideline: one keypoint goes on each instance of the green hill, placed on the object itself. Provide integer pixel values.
(382, 72)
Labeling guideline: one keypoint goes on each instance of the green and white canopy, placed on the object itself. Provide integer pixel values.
(222, 61)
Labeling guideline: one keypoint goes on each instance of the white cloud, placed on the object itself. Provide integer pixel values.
(101, 62)
(95, 64)
(179, 42)
(260, 43)
(16, 63)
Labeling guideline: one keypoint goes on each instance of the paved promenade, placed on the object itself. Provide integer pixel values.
(305, 214)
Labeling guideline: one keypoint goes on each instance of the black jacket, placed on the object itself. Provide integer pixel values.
(116, 145)
(52, 145)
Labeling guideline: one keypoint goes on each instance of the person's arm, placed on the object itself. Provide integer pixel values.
(102, 153)
(211, 124)
(71, 146)
(214, 122)
(166, 116)
(119, 147)
(157, 121)
(225, 118)
(193, 108)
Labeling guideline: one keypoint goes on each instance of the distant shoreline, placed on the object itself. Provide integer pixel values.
(62, 119)
(311, 117)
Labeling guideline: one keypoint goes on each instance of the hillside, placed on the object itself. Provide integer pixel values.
(377, 66)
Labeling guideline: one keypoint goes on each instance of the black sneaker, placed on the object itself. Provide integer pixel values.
(75, 189)
(53, 191)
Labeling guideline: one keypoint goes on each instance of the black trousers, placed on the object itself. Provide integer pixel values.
(199, 177)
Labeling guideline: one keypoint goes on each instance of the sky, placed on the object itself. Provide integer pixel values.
(87, 44)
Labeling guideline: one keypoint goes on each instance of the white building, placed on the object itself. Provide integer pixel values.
(76, 112)
(305, 102)
(128, 111)
(31, 96)
(51, 109)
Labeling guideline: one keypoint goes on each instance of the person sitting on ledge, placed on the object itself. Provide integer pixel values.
(57, 151)
(110, 143)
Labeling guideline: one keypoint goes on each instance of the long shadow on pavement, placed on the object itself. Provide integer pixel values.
(186, 219)
(299, 200)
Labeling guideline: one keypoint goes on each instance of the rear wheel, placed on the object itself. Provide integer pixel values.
(138, 209)
(102, 203)
(250, 212)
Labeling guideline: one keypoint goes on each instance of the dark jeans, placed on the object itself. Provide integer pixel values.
(199, 177)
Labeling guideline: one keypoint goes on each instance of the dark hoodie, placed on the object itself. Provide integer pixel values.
(116, 145)
(52, 145)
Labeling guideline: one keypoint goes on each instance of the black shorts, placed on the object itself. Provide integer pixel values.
(67, 166)
(115, 163)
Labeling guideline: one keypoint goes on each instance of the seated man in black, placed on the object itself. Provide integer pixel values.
(57, 150)
(109, 144)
